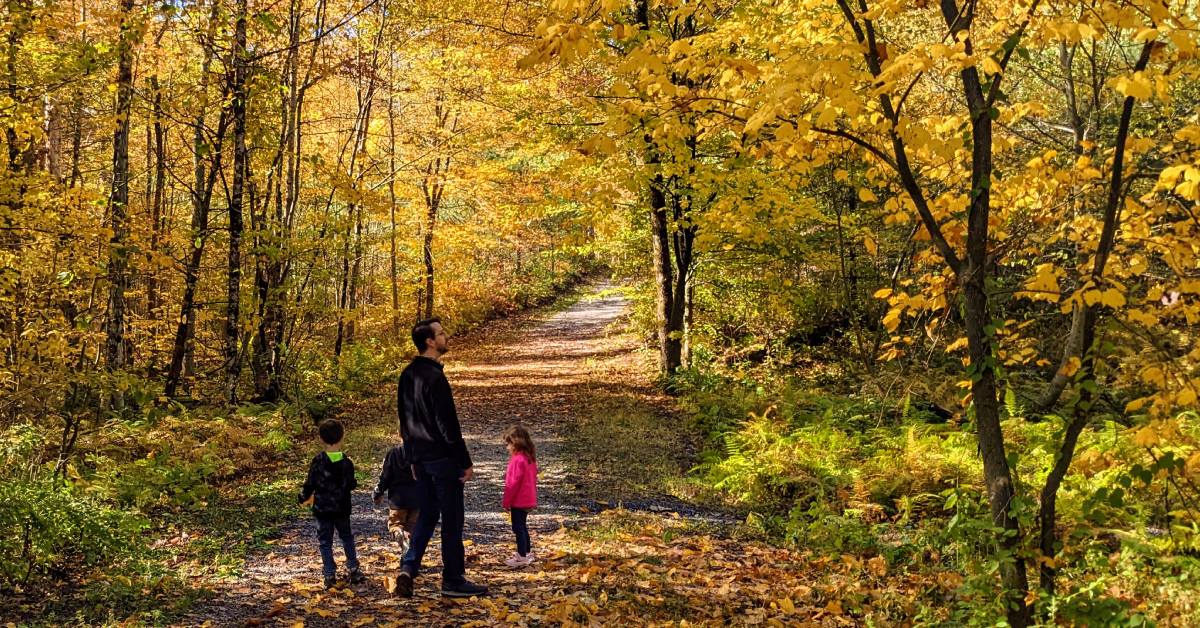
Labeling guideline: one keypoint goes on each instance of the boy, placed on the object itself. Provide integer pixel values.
(397, 482)
(327, 489)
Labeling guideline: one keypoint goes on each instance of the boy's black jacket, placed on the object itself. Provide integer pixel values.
(329, 483)
(397, 481)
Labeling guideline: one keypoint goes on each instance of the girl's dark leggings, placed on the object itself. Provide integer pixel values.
(520, 528)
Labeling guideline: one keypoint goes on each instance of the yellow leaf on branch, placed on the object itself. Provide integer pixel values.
(1146, 437)
(1070, 367)
(1112, 298)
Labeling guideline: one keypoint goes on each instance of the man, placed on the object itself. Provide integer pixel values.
(433, 442)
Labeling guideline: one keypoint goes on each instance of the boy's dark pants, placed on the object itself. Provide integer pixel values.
(441, 493)
(520, 516)
(325, 529)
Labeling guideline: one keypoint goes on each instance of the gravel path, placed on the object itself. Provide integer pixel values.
(534, 371)
(533, 382)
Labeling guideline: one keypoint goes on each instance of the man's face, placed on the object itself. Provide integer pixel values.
(440, 341)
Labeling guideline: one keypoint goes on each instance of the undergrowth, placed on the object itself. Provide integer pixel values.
(862, 474)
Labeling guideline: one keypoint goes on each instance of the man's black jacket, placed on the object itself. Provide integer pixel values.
(428, 421)
(397, 482)
(329, 484)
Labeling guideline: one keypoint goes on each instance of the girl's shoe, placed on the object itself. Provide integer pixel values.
(516, 561)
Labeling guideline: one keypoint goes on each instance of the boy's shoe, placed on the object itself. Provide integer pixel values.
(404, 585)
(330, 581)
(466, 588)
(357, 577)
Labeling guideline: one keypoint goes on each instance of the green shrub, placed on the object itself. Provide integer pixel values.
(364, 365)
(44, 523)
(164, 477)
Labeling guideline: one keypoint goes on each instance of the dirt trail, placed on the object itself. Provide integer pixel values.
(535, 370)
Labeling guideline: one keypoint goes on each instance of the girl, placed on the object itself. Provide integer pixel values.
(520, 490)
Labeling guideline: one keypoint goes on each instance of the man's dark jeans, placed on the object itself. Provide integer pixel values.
(441, 492)
(325, 529)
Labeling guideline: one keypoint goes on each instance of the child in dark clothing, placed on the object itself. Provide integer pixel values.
(397, 482)
(327, 489)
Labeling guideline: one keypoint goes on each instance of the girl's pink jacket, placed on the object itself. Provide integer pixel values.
(520, 483)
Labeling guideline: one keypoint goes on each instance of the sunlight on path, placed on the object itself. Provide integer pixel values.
(530, 378)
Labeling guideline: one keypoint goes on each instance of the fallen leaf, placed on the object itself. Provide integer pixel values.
(878, 566)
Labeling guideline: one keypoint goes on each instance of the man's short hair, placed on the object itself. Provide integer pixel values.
(331, 431)
(423, 331)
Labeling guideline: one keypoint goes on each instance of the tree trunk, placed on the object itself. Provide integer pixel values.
(671, 243)
(973, 280)
(669, 348)
(660, 234)
(153, 300)
(1076, 343)
(53, 151)
(203, 183)
(688, 321)
(271, 234)
(1083, 324)
(432, 188)
(997, 475)
(236, 201)
(343, 296)
(115, 353)
(352, 268)
(76, 175)
(427, 258)
(394, 262)
(353, 296)
(275, 321)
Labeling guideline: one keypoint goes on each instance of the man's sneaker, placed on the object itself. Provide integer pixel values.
(465, 588)
(330, 581)
(357, 577)
(404, 585)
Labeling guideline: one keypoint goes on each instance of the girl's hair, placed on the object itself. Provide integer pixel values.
(519, 437)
